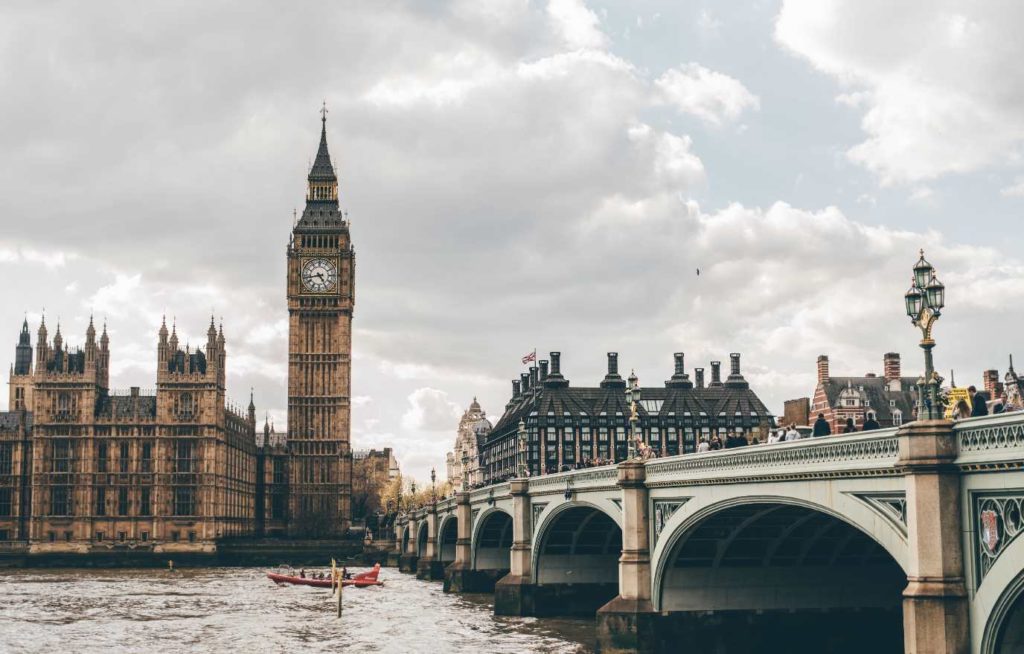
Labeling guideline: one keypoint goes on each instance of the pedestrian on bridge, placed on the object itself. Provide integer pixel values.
(979, 402)
(821, 427)
(870, 424)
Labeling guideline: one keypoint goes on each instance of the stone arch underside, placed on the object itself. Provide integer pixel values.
(576, 562)
(765, 571)
(447, 535)
(421, 540)
(492, 542)
(405, 540)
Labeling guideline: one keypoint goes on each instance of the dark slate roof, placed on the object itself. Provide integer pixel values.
(321, 215)
(75, 361)
(558, 399)
(878, 394)
(126, 407)
(187, 363)
(322, 170)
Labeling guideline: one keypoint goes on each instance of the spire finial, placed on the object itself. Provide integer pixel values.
(323, 113)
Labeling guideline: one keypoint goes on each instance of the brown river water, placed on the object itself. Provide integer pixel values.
(240, 610)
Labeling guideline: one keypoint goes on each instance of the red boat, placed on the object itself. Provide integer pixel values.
(361, 580)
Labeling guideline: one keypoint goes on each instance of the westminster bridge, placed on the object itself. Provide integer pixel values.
(910, 531)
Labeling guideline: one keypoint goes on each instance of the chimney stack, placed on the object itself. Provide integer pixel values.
(612, 379)
(716, 374)
(515, 388)
(891, 366)
(555, 379)
(823, 369)
(679, 377)
(543, 370)
(735, 379)
(698, 374)
(990, 379)
(533, 377)
(525, 379)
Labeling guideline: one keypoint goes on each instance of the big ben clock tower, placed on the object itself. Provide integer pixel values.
(321, 296)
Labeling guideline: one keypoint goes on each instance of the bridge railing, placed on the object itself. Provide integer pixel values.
(991, 441)
(861, 453)
(585, 479)
(497, 491)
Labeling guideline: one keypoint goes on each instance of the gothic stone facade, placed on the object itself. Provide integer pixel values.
(87, 469)
(471, 435)
(321, 297)
(568, 426)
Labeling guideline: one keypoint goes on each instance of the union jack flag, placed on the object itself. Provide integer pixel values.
(532, 356)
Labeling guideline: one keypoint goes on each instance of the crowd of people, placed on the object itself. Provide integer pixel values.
(979, 405)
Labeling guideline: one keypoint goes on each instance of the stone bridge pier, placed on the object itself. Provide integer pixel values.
(877, 542)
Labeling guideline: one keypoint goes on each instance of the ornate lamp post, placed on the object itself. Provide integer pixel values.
(521, 467)
(633, 397)
(412, 489)
(433, 481)
(465, 471)
(925, 300)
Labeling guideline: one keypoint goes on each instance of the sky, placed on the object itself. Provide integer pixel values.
(519, 174)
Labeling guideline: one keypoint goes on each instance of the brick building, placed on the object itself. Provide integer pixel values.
(371, 472)
(890, 398)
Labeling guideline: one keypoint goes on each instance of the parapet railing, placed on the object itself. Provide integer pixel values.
(587, 478)
(874, 452)
(991, 441)
(497, 491)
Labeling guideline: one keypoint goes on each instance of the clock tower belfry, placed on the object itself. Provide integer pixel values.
(321, 297)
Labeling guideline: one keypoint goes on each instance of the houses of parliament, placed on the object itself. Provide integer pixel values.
(86, 469)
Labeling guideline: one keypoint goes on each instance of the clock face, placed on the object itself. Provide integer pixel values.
(319, 275)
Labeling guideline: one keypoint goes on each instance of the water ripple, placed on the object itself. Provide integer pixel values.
(225, 609)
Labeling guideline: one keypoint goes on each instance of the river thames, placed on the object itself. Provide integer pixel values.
(239, 609)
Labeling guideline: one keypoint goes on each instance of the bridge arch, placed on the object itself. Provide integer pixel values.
(843, 506)
(999, 608)
(405, 538)
(492, 540)
(447, 534)
(575, 567)
(773, 565)
(421, 539)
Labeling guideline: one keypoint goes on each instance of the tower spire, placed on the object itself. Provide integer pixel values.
(323, 182)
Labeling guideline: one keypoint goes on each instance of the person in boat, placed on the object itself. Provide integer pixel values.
(302, 573)
(345, 574)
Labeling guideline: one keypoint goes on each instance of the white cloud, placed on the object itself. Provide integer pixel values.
(713, 97)
(939, 80)
(430, 410)
(578, 26)
(707, 25)
(1015, 190)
